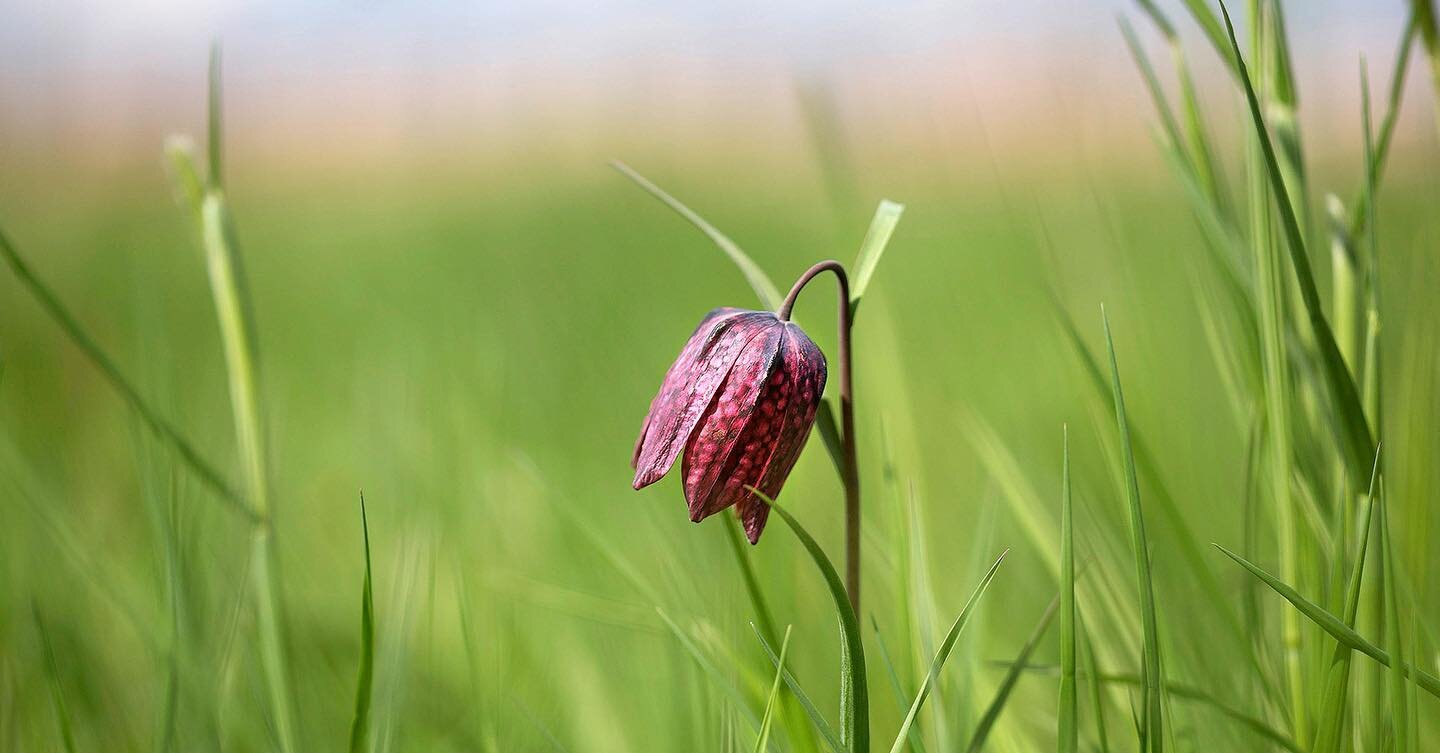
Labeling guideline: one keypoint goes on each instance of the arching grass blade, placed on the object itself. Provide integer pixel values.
(360, 722)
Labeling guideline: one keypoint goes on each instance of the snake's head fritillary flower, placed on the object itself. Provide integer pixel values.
(739, 402)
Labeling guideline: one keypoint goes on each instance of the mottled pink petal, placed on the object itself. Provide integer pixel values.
(731, 439)
(804, 368)
(689, 387)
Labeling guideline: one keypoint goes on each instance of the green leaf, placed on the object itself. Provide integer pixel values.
(766, 627)
(764, 289)
(1334, 625)
(360, 722)
(818, 719)
(215, 114)
(830, 434)
(944, 653)
(149, 416)
(1012, 675)
(882, 226)
(1354, 430)
(768, 718)
(855, 695)
(1330, 725)
(1152, 724)
(708, 667)
(1068, 731)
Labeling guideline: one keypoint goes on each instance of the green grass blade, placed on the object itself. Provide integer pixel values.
(882, 226)
(711, 670)
(768, 719)
(1399, 713)
(1354, 430)
(829, 430)
(944, 653)
(1012, 675)
(161, 428)
(1361, 208)
(1334, 625)
(1189, 693)
(855, 708)
(916, 744)
(1151, 716)
(52, 675)
(1200, 11)
(360, 722)
(811, 710)
(1068, 731)
(1092, 674)
(764, 288)
(214, 118)
(763, 616)
(1330, 724)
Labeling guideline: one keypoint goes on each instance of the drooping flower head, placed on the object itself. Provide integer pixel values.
(739, 402)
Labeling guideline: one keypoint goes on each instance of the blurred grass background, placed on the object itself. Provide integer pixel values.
(469, 330)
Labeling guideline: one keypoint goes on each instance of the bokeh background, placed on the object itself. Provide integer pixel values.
(463, 311)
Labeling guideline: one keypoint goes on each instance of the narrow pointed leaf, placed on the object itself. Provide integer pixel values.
(1068, 732)
(882, 226)
(360, 721)
(764, 288)
(1012, 675)
(811, 710)
(944, 653)
(769, 717)
(1152, 715)
(1354, 430)
(855, 710)
(1334, 625)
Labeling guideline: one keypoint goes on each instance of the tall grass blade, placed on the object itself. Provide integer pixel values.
(1189, 693)
(1331, 722)
(944, 653)
(360, 721)
(916, 744)
(882, 226)
(1399, 702)
(52, 676)
(811, 710)
(1092, 674)
(1012, 675)
(855, 706)
(711, 670)
(1151, 717)
(1334, 625)
(763, 617)
(1068, 731)
(769, 717)
(149, 416)
(214, 121)
(769, 295)
(1354, 430)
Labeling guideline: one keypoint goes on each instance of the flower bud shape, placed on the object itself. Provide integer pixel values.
(739, 401)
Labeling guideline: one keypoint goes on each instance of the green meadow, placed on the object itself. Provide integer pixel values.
(208, 355)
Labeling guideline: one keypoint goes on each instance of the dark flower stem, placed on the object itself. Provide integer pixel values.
(849, 467)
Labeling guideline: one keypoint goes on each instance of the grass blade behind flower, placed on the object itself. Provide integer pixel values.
(768, 719)
(855, 695)
(764, 288)
(882, 226)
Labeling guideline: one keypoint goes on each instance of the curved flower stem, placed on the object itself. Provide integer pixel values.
(849, 466)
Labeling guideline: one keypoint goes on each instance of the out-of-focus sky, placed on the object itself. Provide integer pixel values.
(315, 76)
